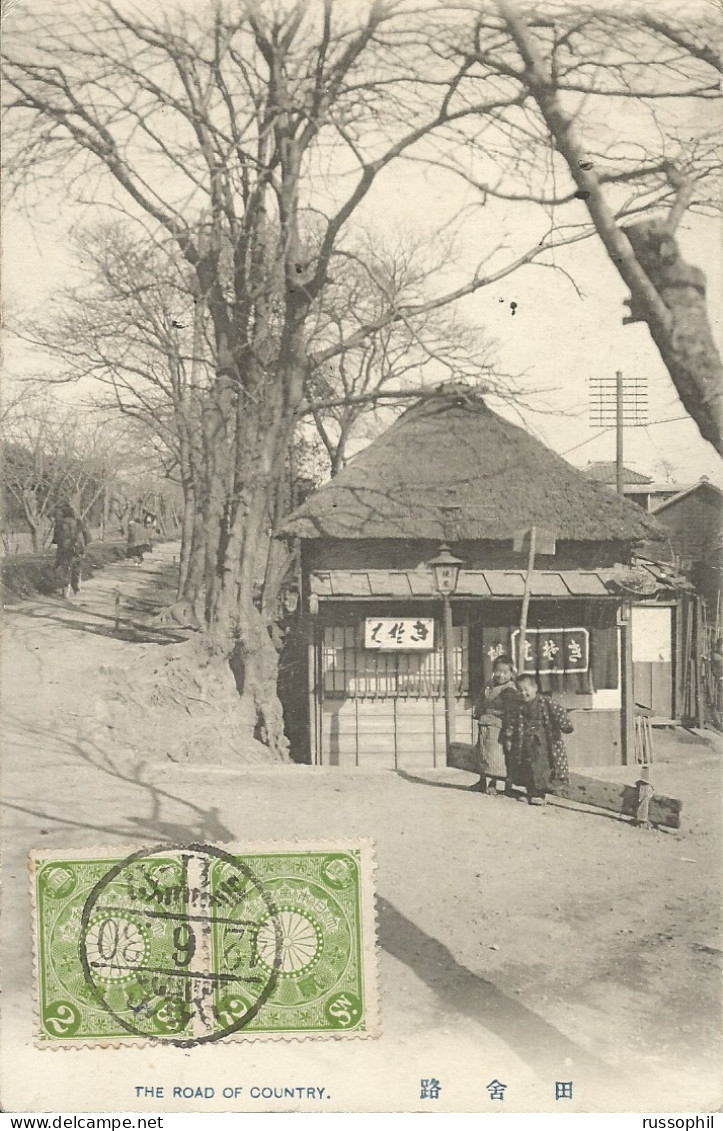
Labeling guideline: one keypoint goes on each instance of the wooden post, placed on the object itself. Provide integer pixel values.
(526, 600)
(314, 744)
(645, 793)
(687, 653)
(699, 647)
(619, 469)
(628, 696)
(117, 610)
(678, 622)
(450, 729)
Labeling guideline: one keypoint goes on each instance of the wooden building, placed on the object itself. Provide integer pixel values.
(692, 519)
(669, 645)
(639, 488)
(368, 658)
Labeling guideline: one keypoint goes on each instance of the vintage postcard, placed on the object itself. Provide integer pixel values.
(362, 552)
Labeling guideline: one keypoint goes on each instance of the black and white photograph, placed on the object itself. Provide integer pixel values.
(362, 558)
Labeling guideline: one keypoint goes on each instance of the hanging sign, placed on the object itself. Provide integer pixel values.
(554, 651)
(399, 634)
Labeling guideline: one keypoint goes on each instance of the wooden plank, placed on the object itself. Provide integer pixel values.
(376, 744)
(661, 677)
(643, 683)
(313, 694)
(678, 661)
(374, 708)
(612, 796)
(699, 648)
(628, 695)
(596, 738)
(622, 799)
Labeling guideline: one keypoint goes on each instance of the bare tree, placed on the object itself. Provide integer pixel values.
(55, 454)
(576, 67)
(249, 136)
(134, 329)
(209, 128)
(381, 284)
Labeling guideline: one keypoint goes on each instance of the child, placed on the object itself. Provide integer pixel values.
(534, 730)
(500, 695)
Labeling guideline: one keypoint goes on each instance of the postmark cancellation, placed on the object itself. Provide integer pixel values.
(189, 944)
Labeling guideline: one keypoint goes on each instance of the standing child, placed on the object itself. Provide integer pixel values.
(534, 731)
(500, 695)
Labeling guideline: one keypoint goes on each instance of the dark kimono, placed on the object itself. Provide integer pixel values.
(533, 735)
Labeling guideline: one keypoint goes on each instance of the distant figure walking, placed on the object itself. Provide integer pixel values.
(71, 536)
(150, 526)
(138, 541)
(533, 731)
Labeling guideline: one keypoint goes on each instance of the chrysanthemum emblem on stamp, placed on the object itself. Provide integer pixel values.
(191, 944)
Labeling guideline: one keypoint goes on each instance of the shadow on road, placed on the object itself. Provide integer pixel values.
(136, 607)
(128, 630)
(553, 802)
(417, 780)
(195, 824)
(543, 1047)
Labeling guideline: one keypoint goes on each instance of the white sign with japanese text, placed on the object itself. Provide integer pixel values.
(399, 634)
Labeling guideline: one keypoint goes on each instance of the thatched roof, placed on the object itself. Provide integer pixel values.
(452, 469)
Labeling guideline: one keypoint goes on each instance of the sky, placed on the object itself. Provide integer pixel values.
(554, 329)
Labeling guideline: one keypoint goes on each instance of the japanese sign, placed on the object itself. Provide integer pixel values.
(551, 651)
(399, 634)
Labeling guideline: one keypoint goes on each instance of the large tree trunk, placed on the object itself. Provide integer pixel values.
(187, 524)
(255, 664)
(194, 589)
(30, 509)
(104, 513)
(238, 626)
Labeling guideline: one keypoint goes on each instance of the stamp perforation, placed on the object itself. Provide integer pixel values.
(204, 925)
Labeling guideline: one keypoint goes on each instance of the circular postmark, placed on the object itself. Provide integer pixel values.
(169, 953)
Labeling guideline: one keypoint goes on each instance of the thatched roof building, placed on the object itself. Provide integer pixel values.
(452, 469)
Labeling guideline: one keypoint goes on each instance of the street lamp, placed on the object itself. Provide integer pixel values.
(445, 571)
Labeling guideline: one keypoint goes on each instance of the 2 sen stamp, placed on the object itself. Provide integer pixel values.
(191, 944)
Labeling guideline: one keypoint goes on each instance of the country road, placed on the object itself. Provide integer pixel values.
(528, 946)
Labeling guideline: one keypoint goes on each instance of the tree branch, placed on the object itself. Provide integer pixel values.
(700, 387)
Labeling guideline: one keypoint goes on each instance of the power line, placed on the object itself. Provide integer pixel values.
(669, 420)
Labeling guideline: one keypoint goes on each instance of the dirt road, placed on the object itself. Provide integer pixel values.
(516, 944)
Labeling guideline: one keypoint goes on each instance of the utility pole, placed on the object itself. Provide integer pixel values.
(619, 467)
(526, 599)
(619, 403)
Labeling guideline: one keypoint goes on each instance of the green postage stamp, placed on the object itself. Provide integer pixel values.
(189, 944)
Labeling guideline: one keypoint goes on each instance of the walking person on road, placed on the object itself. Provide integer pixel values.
(150, 527)
(71, 536)
(138, 541)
